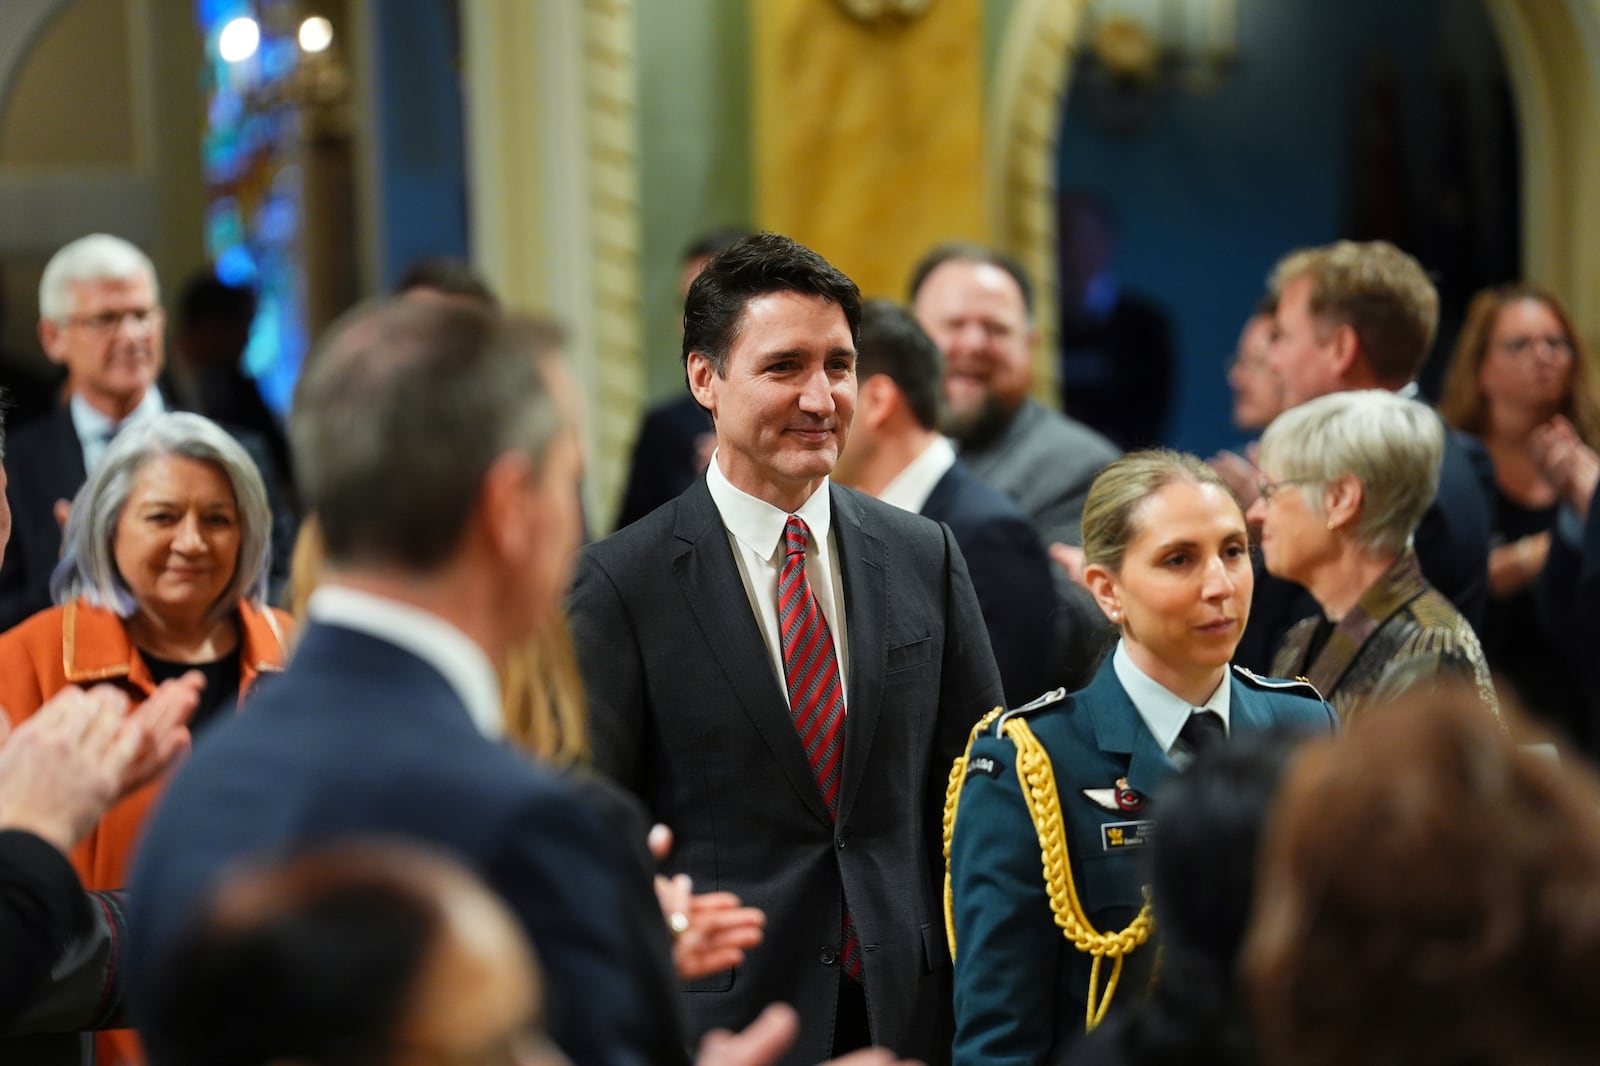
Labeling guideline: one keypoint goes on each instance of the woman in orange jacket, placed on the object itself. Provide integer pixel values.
(162, 573)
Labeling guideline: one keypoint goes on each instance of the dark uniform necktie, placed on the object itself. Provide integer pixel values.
(1203, 731)
(816, 698)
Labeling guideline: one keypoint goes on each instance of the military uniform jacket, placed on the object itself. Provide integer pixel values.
(1401, 632)
(1020, 987)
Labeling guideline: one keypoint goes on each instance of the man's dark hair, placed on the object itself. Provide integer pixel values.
(205, 298)
(449, 276)
(714, 242)
(893, 344)
(970, 252)
(755, 266)
(401, 411)
(323, 971)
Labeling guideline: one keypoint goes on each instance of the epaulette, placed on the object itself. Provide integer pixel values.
(1050, 698)
(1297, 685)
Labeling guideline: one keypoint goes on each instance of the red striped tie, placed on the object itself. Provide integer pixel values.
(816, 697)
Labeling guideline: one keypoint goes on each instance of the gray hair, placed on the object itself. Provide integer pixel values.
(400, 413)
(1391, 445)
(97, 257)
(88, 566)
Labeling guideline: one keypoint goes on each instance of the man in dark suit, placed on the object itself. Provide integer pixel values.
(1362, 316)
(897, 455)
(783, 670)
(100, 317)
(438, 446)
(977, 305)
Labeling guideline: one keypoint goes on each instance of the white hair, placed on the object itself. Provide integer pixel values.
(97, 257)
(88, 565)
(1391, 445)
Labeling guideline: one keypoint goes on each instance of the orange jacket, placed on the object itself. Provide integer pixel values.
(77, 644)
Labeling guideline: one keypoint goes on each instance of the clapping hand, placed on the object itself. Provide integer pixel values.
(82, 751)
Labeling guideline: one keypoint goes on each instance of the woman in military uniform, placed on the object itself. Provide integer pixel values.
(1048, 814)
(1348, 477)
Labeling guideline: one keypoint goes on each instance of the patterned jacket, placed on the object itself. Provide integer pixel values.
(1400, 634)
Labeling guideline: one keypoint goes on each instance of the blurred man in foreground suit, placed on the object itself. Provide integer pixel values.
(438, 446)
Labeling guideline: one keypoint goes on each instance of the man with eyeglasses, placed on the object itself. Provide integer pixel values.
(1362, 315)
(100, 317)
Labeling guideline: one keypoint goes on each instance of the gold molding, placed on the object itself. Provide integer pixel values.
(611, 106)
(1032, 73)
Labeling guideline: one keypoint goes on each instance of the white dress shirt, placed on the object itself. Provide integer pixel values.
(1163, 711)
(94, 429)
(755, 532)
(455, 655)
(912, 486)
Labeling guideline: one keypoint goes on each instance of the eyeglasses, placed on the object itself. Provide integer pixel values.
(108, 322)
(1555, 344)
(1268, 489)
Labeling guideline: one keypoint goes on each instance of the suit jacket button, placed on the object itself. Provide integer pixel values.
(828, 957)
(839, 841)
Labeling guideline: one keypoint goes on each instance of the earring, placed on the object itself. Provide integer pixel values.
(1116, 615)
(1331, 527)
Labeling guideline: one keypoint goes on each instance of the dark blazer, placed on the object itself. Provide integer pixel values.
(1452, 545)
(44, 463)
(666, 457)
(1401, 632)
(1010, 572)
(687, 711)
(60, 977)
(1020, 987)
(359, 737)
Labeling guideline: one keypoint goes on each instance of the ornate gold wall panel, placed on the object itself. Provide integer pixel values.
(868, 134)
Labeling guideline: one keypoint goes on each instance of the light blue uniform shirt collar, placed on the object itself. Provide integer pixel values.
(1163, 711)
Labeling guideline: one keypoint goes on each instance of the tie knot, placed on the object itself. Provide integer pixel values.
(1203, 731)
(795, 535)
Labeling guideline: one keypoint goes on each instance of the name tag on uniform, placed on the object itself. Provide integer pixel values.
(982, 764)
(1115, 836)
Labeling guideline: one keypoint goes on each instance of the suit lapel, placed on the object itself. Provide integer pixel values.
(708, 578)
(863, 570)
(1119, 730)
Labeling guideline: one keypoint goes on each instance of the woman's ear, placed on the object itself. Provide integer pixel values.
(1102, 585)
(1342, 499)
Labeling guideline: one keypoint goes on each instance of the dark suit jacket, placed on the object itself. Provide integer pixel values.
(1020, 987)
(666, 457)
(61, 944)
(359, 737)
(44, 463)
(1010, 572)
(1452, 544)
(687, 711)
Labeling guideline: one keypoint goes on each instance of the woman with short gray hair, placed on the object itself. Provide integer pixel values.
(162, 572)
(1346, 479)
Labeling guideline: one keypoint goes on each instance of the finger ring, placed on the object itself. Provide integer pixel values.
(678, 922)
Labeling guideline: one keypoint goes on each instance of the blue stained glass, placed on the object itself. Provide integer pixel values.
(249, 159)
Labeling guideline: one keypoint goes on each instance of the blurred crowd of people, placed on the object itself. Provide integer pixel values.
(903, 716)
